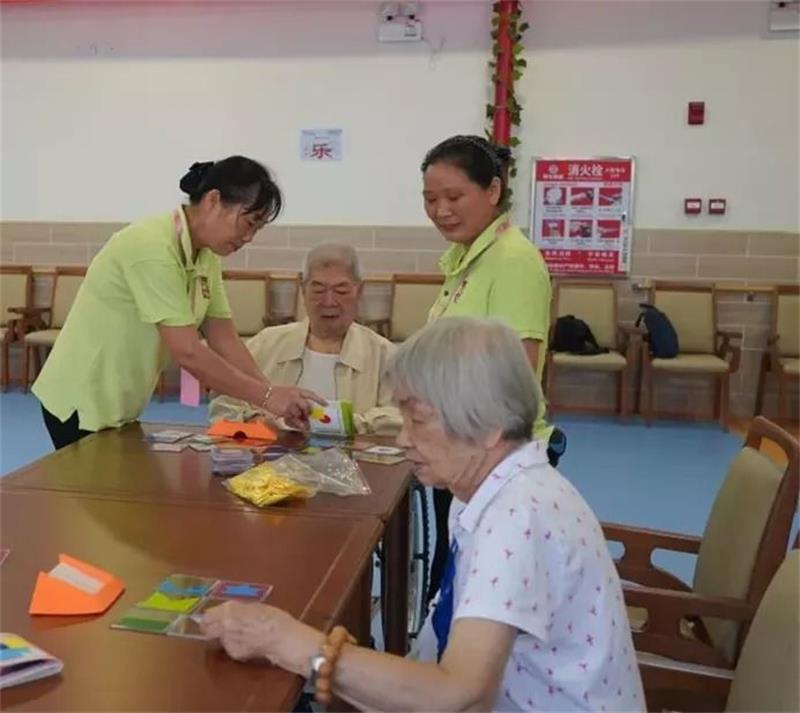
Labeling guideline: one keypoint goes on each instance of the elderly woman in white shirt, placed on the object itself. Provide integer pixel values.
(530, 615)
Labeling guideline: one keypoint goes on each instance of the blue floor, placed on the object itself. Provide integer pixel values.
(663, 477)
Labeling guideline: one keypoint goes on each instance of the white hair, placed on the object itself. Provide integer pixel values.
(329, 254)
(474, 373)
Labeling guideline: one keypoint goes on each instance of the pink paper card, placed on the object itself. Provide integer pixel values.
(190, 389)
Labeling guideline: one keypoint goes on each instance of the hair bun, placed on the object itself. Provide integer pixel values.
(502, 152)
(193, 178)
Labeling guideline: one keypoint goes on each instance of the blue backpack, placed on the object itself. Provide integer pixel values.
(661, 334)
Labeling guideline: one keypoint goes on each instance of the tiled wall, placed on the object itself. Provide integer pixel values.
(734, 259)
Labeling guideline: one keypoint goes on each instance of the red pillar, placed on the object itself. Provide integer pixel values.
(501, 133)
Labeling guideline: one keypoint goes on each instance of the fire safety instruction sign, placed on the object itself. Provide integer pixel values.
(581, 212)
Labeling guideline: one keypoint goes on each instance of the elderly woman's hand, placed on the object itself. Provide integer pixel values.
(251, 631)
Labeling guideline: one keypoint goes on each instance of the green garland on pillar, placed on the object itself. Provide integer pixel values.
(517, 29)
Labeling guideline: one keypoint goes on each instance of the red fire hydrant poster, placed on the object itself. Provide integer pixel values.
(581, 214)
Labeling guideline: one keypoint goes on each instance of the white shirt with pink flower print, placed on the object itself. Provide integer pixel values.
(531, 554)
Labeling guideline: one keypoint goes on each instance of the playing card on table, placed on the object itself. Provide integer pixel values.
(187, 627)
(241, 590)
(150, 621)
(166, 436)
(384, 451)
(186, 585)
(365, 457)
(201, 447)
(178, 603)
(167, 447)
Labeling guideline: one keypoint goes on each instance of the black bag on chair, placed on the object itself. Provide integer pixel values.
(574, 336)
(661, 334)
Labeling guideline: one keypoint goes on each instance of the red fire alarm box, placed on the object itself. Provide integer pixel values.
(697, 113)
(692, 206)
(716, 206)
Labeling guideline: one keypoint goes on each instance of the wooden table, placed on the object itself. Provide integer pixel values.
(141, 543)
(117, 464)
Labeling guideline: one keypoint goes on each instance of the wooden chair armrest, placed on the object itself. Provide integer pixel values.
(636, 564)
(629, 337)
(379, 325)
(667, 605)
(730, 333)
(668, 611)
(653, 539)
(662, 675)
(29, 311)
(632, 329)
(272, 320)
(726, 349)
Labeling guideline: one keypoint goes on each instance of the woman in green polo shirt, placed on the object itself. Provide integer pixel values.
(148, 294)
(491, 270)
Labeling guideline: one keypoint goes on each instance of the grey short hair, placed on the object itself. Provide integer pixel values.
(474, 373)
(332, 254)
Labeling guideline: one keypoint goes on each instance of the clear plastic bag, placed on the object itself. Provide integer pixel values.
(331, 471)
(263, 485)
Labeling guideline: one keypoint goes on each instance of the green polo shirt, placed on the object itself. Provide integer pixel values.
(502, 274)
(108, 357)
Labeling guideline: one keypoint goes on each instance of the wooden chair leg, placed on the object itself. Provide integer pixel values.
(622, 398)
(724, 400)
(161, 388)
(718, 388)
(647, 392)
(783, 398)
(26, 368)
(4, 375)
(762, 383)
(37, 363)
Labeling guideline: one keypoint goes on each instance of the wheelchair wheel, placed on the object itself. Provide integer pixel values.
(420, 548)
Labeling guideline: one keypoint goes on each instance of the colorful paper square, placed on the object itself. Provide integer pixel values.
(241, 590)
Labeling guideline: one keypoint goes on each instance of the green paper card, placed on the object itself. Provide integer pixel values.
(149, 621)
(169, 603)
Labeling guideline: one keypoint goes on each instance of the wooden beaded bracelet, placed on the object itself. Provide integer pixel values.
(331, 650)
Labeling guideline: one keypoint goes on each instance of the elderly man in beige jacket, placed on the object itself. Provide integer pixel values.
(328, 353)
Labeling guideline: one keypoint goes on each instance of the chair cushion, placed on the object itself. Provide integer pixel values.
(595, 305)
(612, 361)
(732, 537)
(42, 338)
(248, 303)
(766, 675)
(791, 366)
(692, 315)
(702, 363)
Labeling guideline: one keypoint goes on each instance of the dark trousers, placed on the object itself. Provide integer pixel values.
(441, 506)
(63, 433)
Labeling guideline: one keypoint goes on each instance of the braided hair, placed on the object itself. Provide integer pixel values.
(476, 157)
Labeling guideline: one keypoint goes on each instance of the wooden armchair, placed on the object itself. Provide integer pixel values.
(745, 540)
(50, 320)
(596, 304)
(782, 355)
(16, 298)
(291, 281)
(413, 296)
(704, 349)
(766, 675)
(249, 297)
